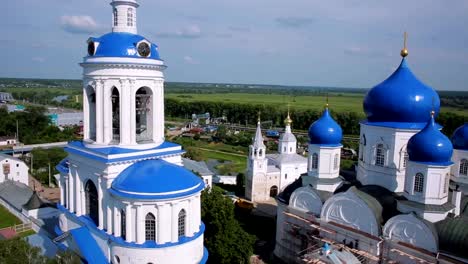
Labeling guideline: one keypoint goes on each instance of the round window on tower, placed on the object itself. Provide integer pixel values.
(144, 49)
(91, 48)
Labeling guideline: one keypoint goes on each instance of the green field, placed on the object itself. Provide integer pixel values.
(343, 102)
(7, 219)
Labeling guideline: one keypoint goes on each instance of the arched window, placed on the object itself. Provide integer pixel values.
(260, 152)
(419, 182)
(92, 203)
(117, 259)
(379, 155)
(363, 140)
(115, 114)
(335, 162)
(116, 18)
(150, 227)
(273, 191)
(144, 115)
(130, 17)
(181, 229)
(290, 149)
(314, 161)
(464, 167)
(284, 149)
(123, 224)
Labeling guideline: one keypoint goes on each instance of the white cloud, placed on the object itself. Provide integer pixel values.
(190, 31)
(79, 24)
(190, 60)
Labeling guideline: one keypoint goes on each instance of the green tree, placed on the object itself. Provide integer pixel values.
(193, 154)
(225, 239)
(18, 251)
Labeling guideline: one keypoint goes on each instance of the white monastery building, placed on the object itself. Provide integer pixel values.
(125, 197)
(409, 200)
(13, 169)
(267, 174)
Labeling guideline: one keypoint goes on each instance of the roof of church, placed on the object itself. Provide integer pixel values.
(430, 146)
(287, 158)
(35, 202)
(325, 131)
(156, 179)
(122, 44)
(453, 235)
(401, 100)
(371, 201)
(460, 137)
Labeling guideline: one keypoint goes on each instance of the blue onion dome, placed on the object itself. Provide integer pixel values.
(156, 179)
(401, 100)
(325, 131)
(430, 146)
(122, 44)
(460, 137)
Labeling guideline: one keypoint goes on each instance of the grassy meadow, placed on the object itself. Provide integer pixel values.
(342, 102)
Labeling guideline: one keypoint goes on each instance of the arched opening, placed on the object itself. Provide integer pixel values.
(419, 182)
(379, 155)
(463, 167)
(150, 227)
(144, 115)
(64, 187)
(115, 115)
(273, 191)
(116, 19)
(91, 101)
(123, 224)
(92, 202)
(314, 161)
(181, 226)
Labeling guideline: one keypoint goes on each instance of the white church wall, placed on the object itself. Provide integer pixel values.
(13, 169)
(392, 174)
(459, 155)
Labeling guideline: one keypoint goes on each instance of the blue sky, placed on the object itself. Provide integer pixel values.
(338, 43)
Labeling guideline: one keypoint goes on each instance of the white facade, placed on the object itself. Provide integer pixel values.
(13, 169)
(459, 170)
(388, 170)
(268, 174)
(323, 167)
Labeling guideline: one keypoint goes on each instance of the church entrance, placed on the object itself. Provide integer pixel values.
(92, 203)
(273, 191)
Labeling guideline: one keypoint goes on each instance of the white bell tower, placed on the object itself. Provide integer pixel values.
(124, 16)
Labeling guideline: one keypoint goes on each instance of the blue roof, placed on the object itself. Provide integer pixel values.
(122, 44)
(460, 137)
(89, 249)
(156, 179)
(401, 98)
(430, 146)
(325, 131)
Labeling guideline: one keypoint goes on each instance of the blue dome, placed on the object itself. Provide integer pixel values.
(325, 131)
(156, 179)
(122, 44)
(430, 146)
(401, 98)
(460, 137)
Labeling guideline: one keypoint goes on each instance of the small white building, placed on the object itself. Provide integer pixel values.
(13, 169)
(268, 174)
(6, 141)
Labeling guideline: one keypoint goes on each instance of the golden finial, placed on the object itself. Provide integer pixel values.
(404, 51)
(288, 119)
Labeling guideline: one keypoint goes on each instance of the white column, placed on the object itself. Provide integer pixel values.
(78, 193)
(100, 203)
(128, 226)
(117, 221)
(99, 112)
(172, 225)
(107, 115)
(124, 112)
(86, 126)
(109, 215)
(139, 222)
(71, 193)
(132, 90)
(62, 198)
